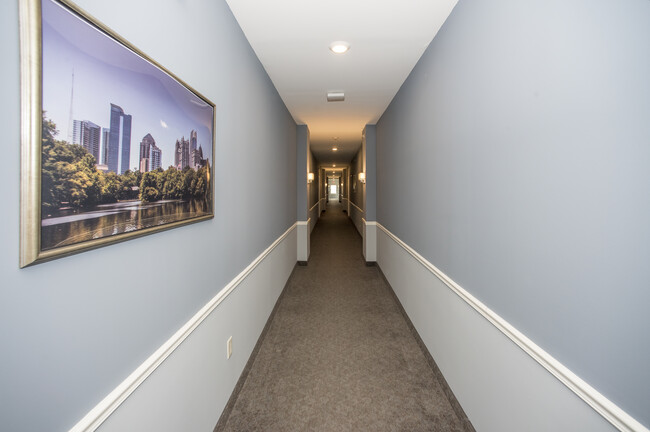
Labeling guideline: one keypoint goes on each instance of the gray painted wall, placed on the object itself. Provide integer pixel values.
(314, 212)
(345, 189)
(322, 186)
(302, 151)
(313, 186)
(356, 190)
(345, 181)
(515, 158)
(356, 187)
(371, 172)
(74, 328)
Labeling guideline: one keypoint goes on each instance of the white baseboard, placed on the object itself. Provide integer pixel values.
(502, 379)
(186, 383)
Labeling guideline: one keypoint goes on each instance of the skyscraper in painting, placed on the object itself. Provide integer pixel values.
(156, 157)
(88, 135)
(105, 134)
(195, 154)
(197, 158)
(186, 153)
(193, 139)
(118, 152)
(150, 154)
(145, 152)
(76, 132)
(182, 154)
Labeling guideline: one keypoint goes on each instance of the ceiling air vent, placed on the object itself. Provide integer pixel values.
(335, 96)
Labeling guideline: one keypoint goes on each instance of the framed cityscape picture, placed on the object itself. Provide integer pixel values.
(114, 146)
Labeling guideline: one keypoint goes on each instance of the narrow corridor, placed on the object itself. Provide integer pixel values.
(338, 354)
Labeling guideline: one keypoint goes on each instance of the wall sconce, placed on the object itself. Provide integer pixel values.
(362, 177)
(310, 177)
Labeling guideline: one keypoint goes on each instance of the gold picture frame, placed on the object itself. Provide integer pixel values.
(90, 188)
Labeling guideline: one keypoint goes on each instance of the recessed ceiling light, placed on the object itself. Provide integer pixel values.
(335, 148)
(339, 47)
(334, 166)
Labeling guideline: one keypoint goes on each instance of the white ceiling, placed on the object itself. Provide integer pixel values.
(292, 38)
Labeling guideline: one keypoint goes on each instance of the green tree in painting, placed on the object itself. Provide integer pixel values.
(173, 184)
(201, 186)
(148, 187)
(60, 179)
(189, 179)
(111, 186)
(83, 182)
(130, 182)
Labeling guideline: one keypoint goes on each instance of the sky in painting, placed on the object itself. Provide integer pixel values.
(106, 72)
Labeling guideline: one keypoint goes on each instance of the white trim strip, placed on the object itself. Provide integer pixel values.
(606, 408)
(114, 399)
(354, 205)
(371, 223)
(312, 207)
(303, 223)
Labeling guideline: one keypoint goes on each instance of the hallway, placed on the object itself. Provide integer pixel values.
(338, 354)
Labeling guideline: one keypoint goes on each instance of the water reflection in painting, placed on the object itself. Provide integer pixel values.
(67, 227)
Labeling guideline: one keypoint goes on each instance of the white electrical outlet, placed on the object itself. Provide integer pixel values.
(229, 347)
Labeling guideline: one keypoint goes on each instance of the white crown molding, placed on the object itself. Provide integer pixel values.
(606, 408)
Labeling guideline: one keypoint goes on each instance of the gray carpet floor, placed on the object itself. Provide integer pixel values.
(338, 354)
